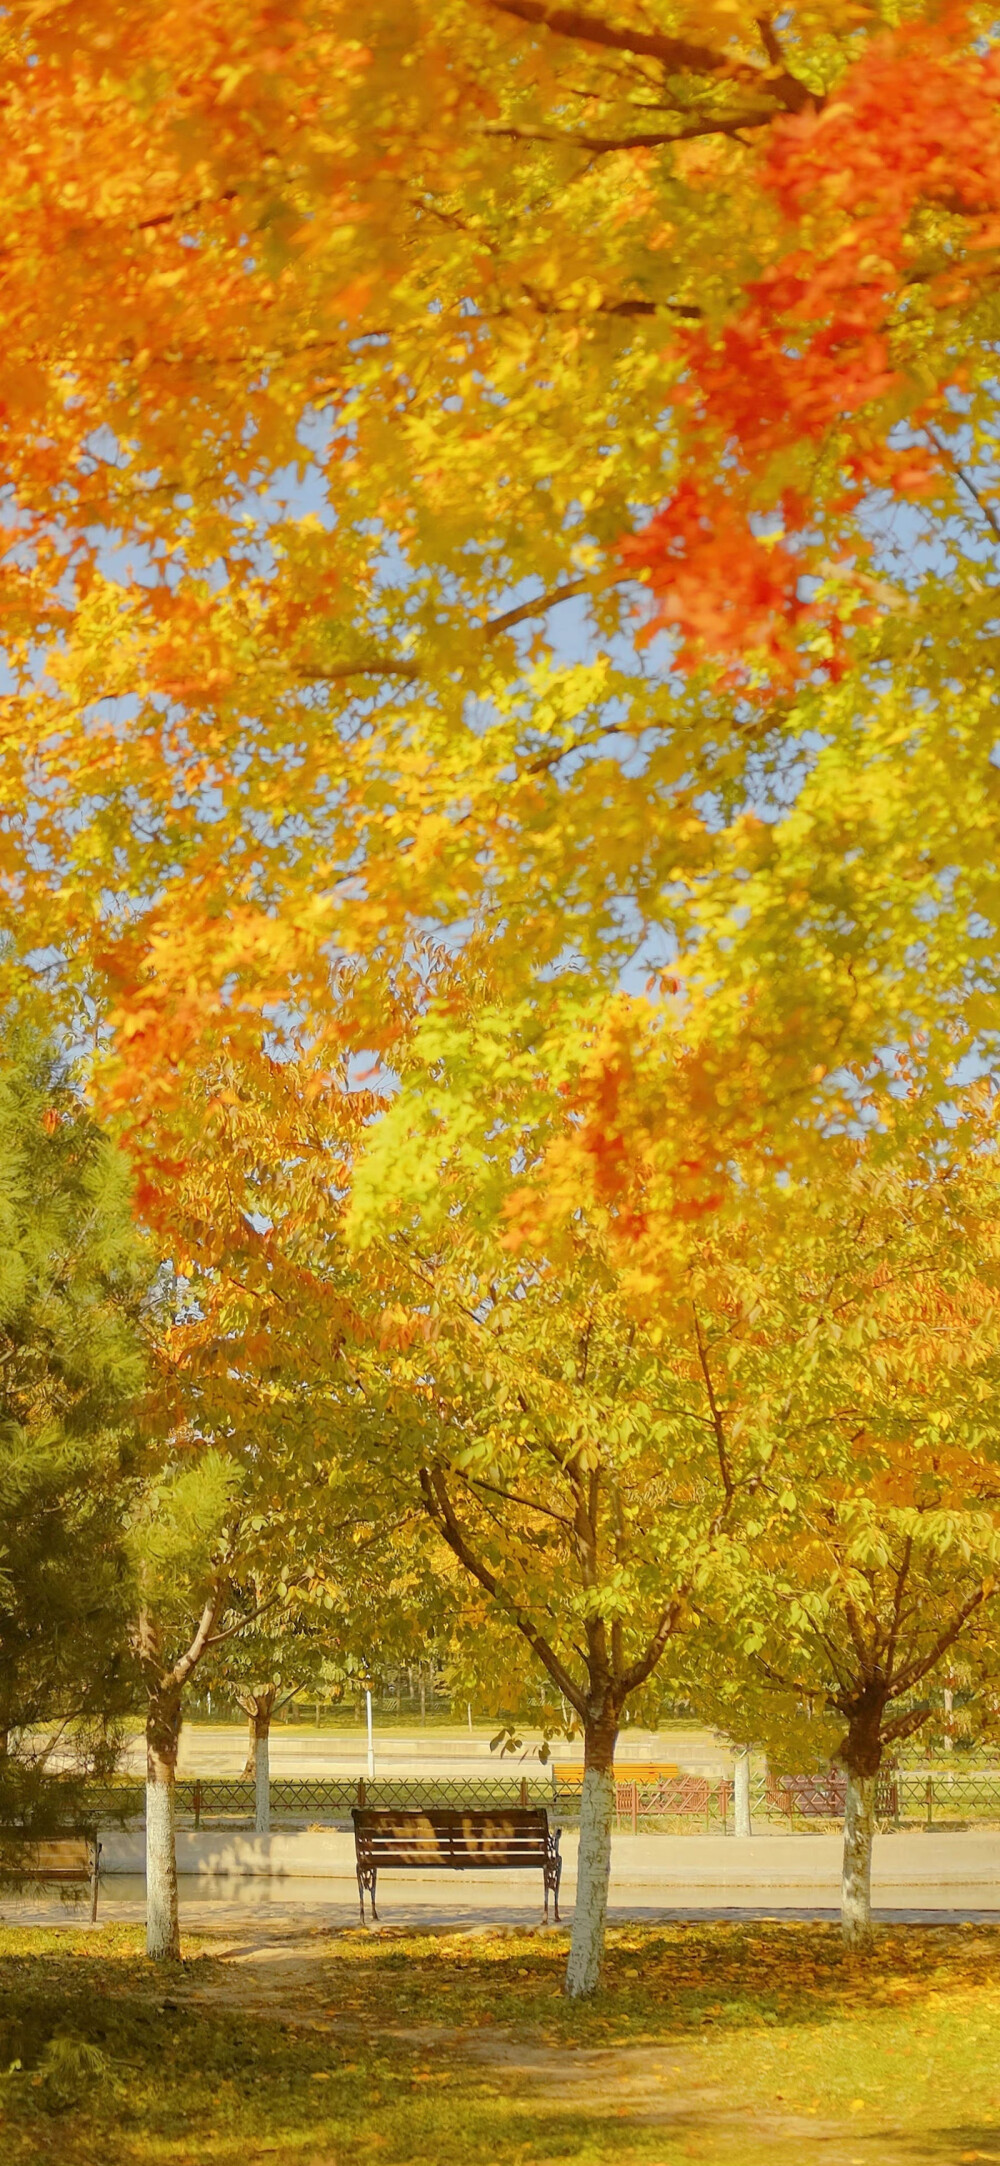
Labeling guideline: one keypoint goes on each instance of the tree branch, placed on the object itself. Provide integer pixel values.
(645, 1664)
(717, 1422)
(587, 29)
(536, 608)
(897, 1606)
(679, 55)
(188, 1662)
(654, 139)
(441, 1510)
(475, 1481)
(917, 1670)
(945, 452)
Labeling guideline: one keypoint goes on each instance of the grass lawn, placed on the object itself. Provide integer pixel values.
(746, 2043)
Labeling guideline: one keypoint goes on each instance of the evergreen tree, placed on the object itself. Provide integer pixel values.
(75, 1280)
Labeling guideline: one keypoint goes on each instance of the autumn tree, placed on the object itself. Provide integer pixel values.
(856, 1354)
(75, 1282)
(552, 308)
(572, 1472)
(264, 1668)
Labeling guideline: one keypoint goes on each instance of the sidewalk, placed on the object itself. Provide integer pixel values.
(653, 1862)
(287, 1884)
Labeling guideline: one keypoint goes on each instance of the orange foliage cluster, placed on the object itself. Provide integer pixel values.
(834, 341)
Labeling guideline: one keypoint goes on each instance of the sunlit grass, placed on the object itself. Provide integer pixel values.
(740, 2042)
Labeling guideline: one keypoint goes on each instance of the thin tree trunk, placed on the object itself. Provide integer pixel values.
(163, 1724)
(262, 1771)
(856, 1885)
(741, 1795)
(597, 1808)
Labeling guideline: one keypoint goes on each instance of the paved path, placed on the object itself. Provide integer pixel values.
(655, 1863)
(440, 1907)
(311, 1875)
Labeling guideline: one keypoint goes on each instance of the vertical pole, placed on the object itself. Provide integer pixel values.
(635, 1808)
(742, 1824)
(197, 1803)
(371, 1740)
(469, 1707)
(524, 1793)
(949, 1702)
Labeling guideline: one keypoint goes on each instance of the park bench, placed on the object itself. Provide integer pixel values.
(569, 1777)
(450, 1840)
(70, 1859)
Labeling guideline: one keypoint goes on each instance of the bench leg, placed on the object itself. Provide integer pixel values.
(367, 1877)
(553, 1874)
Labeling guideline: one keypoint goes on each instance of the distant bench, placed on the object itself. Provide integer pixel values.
(447, 1840)
(569, 1779)
(70, 1860)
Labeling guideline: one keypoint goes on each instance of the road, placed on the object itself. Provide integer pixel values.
(299, 1750)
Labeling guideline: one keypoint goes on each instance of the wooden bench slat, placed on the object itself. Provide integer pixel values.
(70, 1859)
(61, 1857)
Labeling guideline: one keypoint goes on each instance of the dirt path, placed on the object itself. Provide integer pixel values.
(286, 1977)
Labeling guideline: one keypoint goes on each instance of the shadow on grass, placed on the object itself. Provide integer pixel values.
(350, 2047)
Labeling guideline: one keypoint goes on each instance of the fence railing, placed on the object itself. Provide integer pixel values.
(685, 1803)
(206, 1798)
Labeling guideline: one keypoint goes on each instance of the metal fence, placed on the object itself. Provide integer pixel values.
(913, 1797)
(906, 1797)
(212, 1799)
(942, 1796)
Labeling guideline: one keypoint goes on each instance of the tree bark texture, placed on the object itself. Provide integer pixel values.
(597, 1808)
(856, 1885)
(741, 1795)
(163, 1724)
(262, 1776)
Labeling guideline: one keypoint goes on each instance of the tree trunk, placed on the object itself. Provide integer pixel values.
(741, 1795)
(163, 1727)
(856, 1886)
(262, 1768)
(597, 1807)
